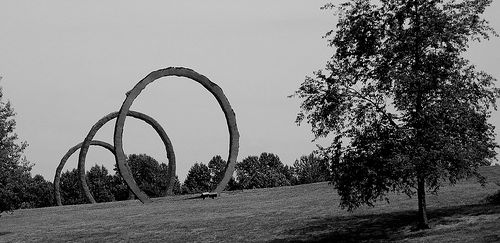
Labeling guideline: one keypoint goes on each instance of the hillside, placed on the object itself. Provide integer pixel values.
(307, 213)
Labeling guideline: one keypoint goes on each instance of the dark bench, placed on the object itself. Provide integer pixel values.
(209, 194)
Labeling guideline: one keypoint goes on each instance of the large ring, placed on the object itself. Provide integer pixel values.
(132, 94)
(71, 151)
(124, 168)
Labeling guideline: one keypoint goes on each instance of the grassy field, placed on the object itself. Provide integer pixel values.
(306, 213)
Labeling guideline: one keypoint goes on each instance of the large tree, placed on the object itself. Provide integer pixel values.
(405, 109)
(14, 168)
(162, 180)
(263, 171)
(38, 193)
(100, 183)
(70, 190)
(311, 168)
(149, 175)
(216, 166)
(197, 180)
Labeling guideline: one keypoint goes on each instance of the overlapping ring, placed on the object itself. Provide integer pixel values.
(118, 135)
(84, 146)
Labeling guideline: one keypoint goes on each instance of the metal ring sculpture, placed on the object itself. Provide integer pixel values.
(84, 146)
(125, 171)
(117, 150)
(212, 88)
(71, 151)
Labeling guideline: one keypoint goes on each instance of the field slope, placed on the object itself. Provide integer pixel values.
(306, 213)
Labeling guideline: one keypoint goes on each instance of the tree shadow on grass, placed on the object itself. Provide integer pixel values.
(385, 227)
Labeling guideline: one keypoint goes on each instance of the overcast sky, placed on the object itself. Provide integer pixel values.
(66, 64)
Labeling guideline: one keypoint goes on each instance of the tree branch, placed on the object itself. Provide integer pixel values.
(379, 109)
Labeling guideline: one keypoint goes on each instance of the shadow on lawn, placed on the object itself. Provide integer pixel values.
(384, 227)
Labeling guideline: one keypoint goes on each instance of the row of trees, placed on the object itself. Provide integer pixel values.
(253, 172)
(25, 191)
(19, 189)
(151, 177)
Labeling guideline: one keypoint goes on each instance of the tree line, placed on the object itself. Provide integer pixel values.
(253, 172)
(20, 189)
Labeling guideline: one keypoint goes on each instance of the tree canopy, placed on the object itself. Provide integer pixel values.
(197, 180)
(311, 168)
(262, 171)
(14, 168)
(150, 175)
(100, 183)
(405, 109)
(216, 166)
(70, 190)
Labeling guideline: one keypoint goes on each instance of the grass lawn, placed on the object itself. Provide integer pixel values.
(305, 213)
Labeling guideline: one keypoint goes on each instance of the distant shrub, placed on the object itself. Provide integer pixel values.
(494, 198)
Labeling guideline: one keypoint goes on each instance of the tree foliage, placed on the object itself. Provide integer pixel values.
(70, 189)
(311, 168)
(144, 170)
(263, 171)
(198, 179)
(38, 193)
(407, 111)
(151, 176)
(205, 178)
(100, 183)
(290, 175)
(14, 168)
(102, 186)
(216, 166)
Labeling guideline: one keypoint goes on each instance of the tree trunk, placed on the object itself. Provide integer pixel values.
(423, 222)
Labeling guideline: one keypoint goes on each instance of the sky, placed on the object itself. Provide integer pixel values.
(66, 64)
